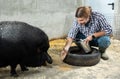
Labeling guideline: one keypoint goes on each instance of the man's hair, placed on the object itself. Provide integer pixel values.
(83, 11)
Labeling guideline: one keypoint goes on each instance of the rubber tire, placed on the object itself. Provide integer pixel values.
(82, 59)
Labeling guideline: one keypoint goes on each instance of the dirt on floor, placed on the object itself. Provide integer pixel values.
(109, 69)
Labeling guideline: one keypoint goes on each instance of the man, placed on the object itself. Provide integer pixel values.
(92, 27)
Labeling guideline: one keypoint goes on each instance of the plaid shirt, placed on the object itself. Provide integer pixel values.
(97, 23)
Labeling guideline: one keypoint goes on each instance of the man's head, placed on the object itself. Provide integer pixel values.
(83, 14)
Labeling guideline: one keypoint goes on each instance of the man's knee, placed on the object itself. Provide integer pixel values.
(104, 42)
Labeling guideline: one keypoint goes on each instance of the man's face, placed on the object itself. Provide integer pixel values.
(82, 20)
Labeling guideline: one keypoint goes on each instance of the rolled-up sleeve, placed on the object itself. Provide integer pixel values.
(74, 30)
(105, 26)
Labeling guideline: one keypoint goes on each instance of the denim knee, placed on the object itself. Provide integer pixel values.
(104, 42)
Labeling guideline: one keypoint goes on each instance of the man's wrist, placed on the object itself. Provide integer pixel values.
(64, 49)
(93, 37)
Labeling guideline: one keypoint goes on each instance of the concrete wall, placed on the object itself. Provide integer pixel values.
(117, 20)
(53, 16)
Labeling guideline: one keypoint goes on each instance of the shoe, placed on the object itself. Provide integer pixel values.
(104, 56)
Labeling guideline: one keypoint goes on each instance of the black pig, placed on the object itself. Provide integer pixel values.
(24, 44)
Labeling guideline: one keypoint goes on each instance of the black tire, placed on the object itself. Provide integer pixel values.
(77, 57)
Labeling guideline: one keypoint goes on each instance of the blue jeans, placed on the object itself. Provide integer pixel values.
(102, 42)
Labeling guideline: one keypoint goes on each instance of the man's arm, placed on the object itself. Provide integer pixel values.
(97, 34)
(66, 48)
(68, 44)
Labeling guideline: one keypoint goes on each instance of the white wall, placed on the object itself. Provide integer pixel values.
(53, 16)
(117, 20)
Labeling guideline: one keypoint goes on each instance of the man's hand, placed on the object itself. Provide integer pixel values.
(89, 38)
(63, 54)
(66, 48)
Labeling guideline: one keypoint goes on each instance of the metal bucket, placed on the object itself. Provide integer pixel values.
(86, 47)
